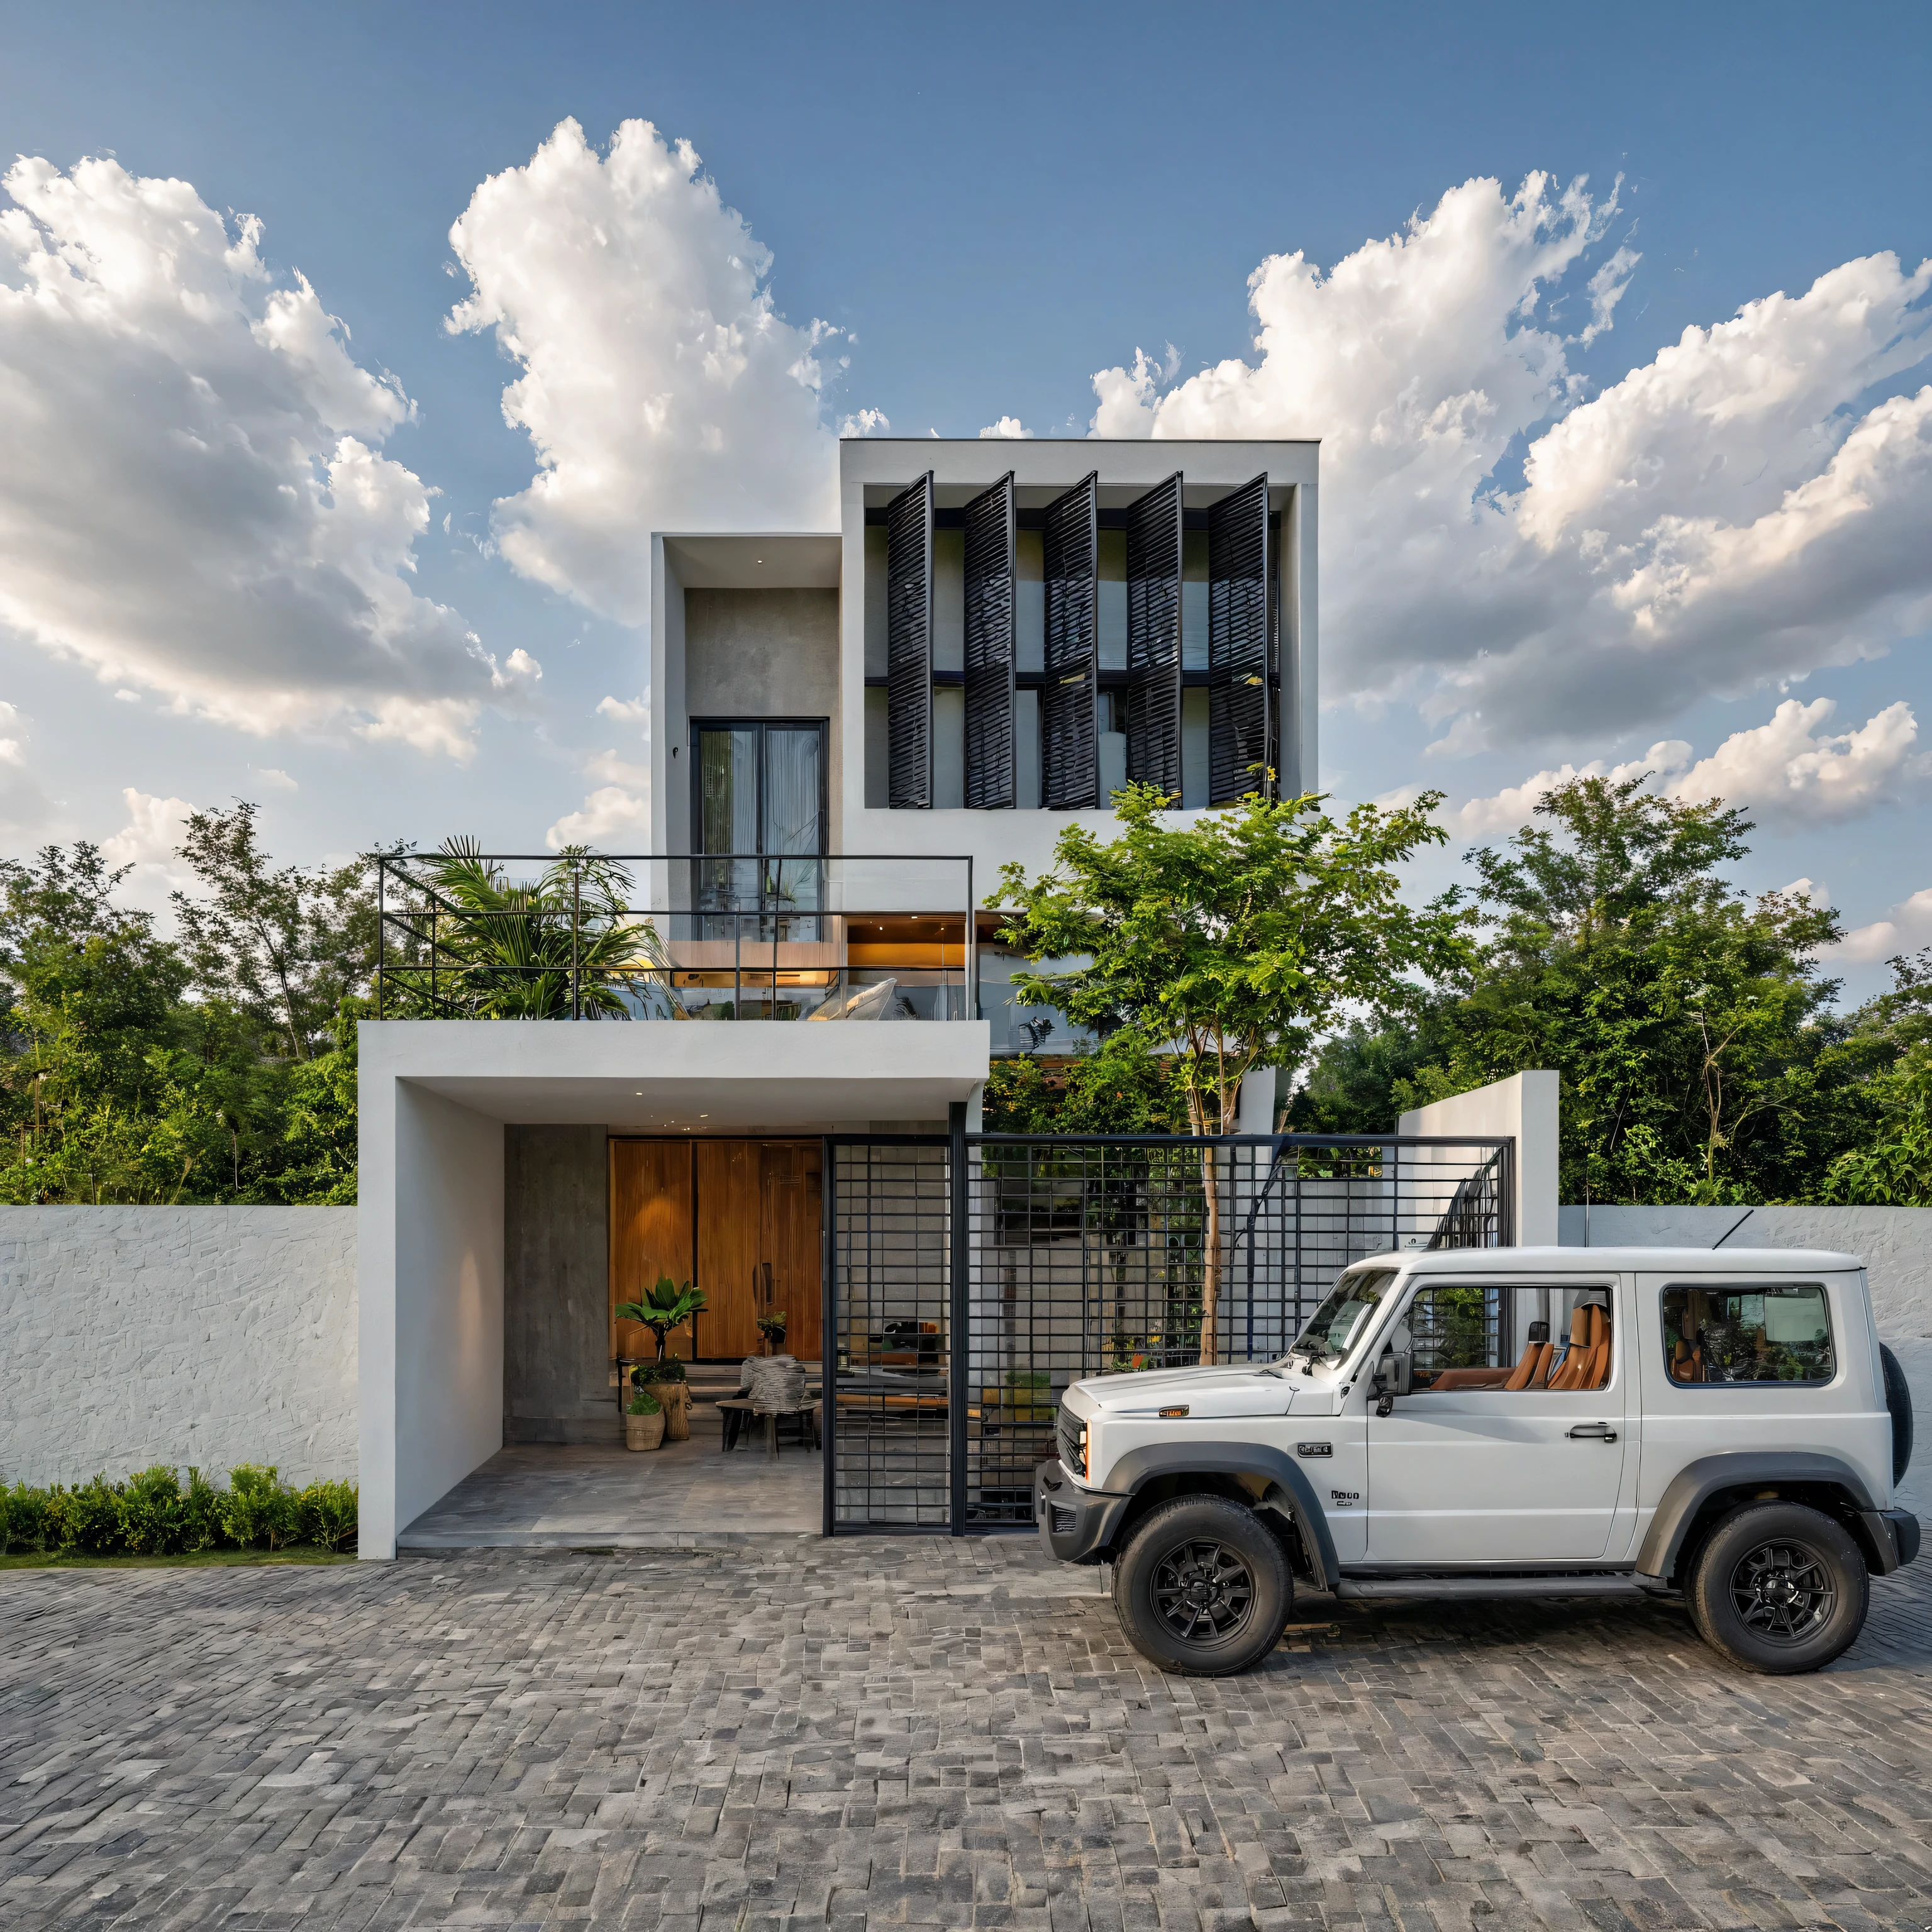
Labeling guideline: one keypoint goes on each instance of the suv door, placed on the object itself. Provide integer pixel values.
(1475, 1471)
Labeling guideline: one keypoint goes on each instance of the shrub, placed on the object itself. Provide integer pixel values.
(326, 1514)
(153, 1511)
(256, 1507)
(644, 1403)
(23, 1518)
(201, 1514)
(92, 1521)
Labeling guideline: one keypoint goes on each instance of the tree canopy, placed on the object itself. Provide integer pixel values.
(1693, 1027)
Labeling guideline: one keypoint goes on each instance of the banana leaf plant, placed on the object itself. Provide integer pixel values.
(666, 1306)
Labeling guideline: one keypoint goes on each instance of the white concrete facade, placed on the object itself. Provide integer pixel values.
(202, 1336)
(871, 471)
(435, 1097)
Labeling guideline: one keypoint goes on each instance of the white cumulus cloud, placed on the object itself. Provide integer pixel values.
(1734, 511)
(155, 828)
(1790, 774)
(611, 817)
(1909, 928)
(1516, 805)
(192, 502)
(659, 384)
(26, 811)
(1009, 428)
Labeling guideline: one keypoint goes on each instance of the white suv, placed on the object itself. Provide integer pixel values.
(1719, 1428)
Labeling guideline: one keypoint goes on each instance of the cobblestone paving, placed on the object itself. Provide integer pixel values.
(925, 1733)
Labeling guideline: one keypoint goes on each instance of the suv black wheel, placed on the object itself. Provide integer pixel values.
(1779, 1588)
(1202, 1587)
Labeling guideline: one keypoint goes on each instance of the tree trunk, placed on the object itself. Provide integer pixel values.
(1210, 1272)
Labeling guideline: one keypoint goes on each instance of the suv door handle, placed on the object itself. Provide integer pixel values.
(1593, 1431)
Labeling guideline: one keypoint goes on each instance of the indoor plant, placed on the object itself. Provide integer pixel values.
(666, 1380)
(665, 1306)
(772, 1327)
(643, 1421)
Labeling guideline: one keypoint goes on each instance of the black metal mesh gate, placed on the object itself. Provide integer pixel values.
(969, 1279)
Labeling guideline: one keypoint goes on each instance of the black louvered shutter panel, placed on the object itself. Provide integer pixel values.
(1153, 637)
(1238, 738)
(909, 647)
(1069, 742)
(991, 643)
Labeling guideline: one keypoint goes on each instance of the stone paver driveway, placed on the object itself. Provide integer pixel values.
(915, 1732)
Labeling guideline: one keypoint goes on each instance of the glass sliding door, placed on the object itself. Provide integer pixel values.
(761, 798)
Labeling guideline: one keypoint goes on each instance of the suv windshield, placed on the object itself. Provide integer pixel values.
(1339, 1322)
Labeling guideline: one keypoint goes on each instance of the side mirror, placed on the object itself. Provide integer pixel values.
(1393, 1375)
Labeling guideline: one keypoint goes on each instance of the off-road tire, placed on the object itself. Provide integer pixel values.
(1203, 1587)
(1779, 1588)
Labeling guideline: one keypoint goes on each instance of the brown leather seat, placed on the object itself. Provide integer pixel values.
(1686, 1362)
(1535, 1350)
(1533, 1371)
(1587, 1366)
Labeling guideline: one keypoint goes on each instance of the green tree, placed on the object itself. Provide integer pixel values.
(1691, 1028)
(286, 944)
(1237, 938)
(1118, 1086)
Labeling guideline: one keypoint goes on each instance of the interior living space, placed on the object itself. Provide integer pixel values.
(605, 1070)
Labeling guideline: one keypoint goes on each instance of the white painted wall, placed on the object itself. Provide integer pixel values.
(430, 1257)
(1524, 1105)
(1895, 1243)
(188, 1335)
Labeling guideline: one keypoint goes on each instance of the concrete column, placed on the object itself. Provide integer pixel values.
(1254, 1111)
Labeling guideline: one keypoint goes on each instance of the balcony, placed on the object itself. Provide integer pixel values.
(465, 934)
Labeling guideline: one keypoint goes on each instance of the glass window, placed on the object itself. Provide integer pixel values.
(1781, 1332)
(1343, 1318)
(1455, 1325)
(761, 796)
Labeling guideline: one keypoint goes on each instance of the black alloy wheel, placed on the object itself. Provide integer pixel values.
(1202, 1587)
(1203, 1591)
(1783, 1591)
(1779, 1588)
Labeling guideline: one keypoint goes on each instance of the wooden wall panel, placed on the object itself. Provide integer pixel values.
(728, 1236)
(651, 1230)
(790, 1174)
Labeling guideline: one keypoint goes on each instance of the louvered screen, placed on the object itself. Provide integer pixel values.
(1153, 637)
(990, 641)
(1238, 738)
(909, 647)
(1069, 746)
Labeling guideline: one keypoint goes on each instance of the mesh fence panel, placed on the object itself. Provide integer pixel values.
(1092, 1256)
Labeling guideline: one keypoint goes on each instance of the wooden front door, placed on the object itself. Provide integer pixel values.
(720, 1212)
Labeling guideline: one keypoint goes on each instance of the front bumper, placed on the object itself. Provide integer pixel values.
(1076, 1525)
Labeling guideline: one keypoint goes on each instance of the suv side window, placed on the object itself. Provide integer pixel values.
(1482, 1335)
(1779, 1332)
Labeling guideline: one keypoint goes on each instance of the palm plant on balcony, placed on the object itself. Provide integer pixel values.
(564, 942)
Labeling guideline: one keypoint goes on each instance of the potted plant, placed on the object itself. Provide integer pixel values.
(772, 1327)
(666, 1381)
(666, 1306)
(643, 1421)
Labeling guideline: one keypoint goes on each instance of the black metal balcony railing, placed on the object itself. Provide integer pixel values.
(465, 935)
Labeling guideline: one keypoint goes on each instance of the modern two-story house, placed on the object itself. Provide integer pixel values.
(851, 732)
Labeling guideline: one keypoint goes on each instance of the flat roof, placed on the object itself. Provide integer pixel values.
(753, 559)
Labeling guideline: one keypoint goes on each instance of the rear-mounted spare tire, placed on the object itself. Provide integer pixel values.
(1898, 1401)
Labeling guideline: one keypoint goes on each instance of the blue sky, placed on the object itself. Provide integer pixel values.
(991, 210)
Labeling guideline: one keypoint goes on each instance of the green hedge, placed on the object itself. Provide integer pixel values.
(151, 1514)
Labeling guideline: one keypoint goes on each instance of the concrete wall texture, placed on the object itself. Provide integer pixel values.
(1524, 1107)
(1895, 1243)
(201, 1335)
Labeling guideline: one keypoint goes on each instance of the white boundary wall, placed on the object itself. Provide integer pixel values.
(1523, 1106)
(1895, 1243)
(202, 1336)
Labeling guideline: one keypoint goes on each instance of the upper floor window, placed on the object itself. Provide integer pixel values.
(759, 786)
(1780, 1333)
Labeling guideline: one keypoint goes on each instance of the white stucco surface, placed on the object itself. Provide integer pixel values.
(1895, 1243)
(188, 1335)
(1523, 1108)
